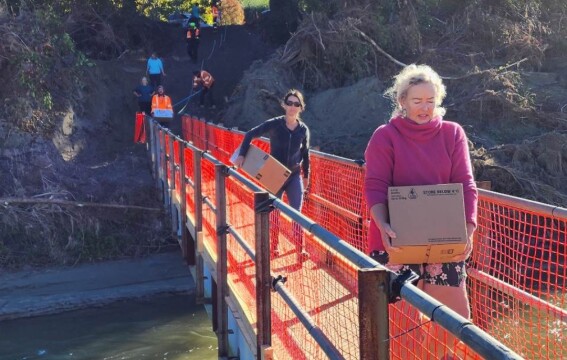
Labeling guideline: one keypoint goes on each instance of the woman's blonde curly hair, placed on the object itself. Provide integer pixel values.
(413, 75)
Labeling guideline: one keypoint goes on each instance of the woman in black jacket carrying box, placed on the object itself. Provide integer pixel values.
(289, 144)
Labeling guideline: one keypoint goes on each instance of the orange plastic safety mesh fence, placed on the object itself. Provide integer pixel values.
(189, 190)
(325, 286)
(177, 163)
(209, 196)
(241, 268)
(335, 199)
(518, 283)
(517, 275)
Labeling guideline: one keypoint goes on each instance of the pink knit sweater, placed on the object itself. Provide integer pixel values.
(403, 153)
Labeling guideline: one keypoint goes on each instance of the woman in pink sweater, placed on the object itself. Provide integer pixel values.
(417, 147)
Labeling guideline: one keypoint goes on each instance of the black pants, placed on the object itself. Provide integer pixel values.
(155, 80)
(145, 106)
(207, 93)
(192, 49)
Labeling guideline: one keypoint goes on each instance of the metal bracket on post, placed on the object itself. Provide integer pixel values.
(276, 280)
(264, 206)
(398, 282)
(223, 230)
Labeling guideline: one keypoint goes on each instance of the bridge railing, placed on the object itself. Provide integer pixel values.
(334, 304)
(518, 271)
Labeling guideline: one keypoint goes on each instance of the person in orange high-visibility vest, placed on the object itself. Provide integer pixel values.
(193, 34)
(206, 81)
(160, 101)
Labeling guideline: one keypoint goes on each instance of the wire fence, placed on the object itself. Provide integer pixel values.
(517, 274)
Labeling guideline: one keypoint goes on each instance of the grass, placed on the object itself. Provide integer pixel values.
(255, 4)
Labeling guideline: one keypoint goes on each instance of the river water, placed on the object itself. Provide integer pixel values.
(169, 327)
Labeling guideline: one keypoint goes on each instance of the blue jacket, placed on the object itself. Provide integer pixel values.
(291, 148)
(145, 91)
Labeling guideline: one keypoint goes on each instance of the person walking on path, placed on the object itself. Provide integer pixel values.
(155, 70)
(144, 93)
(289, 144)
(206, 81)
(193, 41)
(418, 147)
(195, 15)
(160, 101)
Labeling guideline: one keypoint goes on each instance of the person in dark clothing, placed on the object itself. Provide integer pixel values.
(289, 144)
(193, 42)
(144, 93)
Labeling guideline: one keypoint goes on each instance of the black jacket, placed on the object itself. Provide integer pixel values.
(291, 148)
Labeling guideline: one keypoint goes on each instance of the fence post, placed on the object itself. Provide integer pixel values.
(373, 316)
(164, 172)
(172, 208)
(187, 246)
(206, 139)
(263, 276)
(151, 143)
(158, 167)
(198, 201)
(222, 286)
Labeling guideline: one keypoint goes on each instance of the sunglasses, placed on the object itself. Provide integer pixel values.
(293, 103)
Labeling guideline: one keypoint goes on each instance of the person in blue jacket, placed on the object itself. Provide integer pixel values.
(155, 70)
(289, 144)
(144, 93)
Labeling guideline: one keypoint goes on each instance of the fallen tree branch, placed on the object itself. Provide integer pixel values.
(8, 201)
(382, 51)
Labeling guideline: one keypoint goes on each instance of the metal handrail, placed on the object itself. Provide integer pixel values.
(554, 211)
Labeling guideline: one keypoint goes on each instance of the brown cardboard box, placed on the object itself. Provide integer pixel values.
(429, 222)
(261, 166)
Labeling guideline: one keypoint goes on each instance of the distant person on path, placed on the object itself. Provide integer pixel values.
(160, 101)
(195, 16)
(144, 94)
(418, 147)
(193, 42)
(289, 144)
(155, 70)
(207, 82)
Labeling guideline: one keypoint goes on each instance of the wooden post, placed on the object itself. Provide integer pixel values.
(158, 166)
(373, 316)
(151, 143)
(172, 208)
(222, 285)
(206, 139)
(263, 276)
(187, 244)
(164, 172)
(198, 201)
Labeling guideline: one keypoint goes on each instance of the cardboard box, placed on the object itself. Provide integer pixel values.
(263, 167)
(429, 222)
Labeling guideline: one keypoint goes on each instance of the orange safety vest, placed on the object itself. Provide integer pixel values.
(206, 79)
(190, 35)
(162, 102)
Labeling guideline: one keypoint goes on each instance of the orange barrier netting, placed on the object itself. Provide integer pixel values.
(189, 190)
(517, 274)
(209, 195)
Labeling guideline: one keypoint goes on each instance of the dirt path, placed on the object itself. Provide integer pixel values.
(115, 168)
